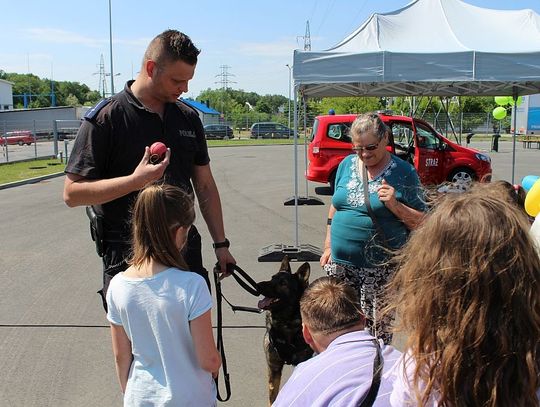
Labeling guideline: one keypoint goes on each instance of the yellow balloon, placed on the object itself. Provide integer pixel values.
(501, 100)
(519, 100)
(532, 200)
(499, 113)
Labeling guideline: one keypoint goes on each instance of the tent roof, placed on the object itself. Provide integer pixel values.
(429, 47)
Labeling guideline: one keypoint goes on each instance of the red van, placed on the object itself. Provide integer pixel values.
(435, 158)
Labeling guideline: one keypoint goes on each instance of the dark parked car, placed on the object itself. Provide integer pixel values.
(218, 131)
(270, 130)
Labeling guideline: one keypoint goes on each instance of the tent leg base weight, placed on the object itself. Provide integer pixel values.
(276, 252)
(303, 200)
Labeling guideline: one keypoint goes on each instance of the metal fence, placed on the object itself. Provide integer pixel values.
(49, 138)
(54, 137)
(455, 126)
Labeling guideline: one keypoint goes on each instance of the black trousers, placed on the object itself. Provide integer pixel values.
(116, 253)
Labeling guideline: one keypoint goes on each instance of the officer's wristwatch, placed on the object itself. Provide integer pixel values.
(219, 245)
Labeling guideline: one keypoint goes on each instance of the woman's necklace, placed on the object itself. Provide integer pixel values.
(371, 176)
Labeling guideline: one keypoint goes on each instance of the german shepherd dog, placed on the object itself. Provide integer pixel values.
(283, 341)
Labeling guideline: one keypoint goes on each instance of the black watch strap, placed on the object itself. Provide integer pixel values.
(219, 245)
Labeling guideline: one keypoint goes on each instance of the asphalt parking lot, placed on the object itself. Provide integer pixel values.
(54, 338)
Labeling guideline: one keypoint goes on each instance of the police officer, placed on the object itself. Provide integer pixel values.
(109, 162)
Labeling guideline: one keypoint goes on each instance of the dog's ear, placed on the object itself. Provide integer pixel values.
(303, 274)
(285, 265)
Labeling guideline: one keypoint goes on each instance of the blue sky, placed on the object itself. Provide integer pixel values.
(255, 39)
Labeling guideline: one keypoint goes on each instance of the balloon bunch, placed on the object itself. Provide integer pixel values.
(499, 112)
(531, 184)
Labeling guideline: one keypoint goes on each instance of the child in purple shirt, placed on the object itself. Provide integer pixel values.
(342, 374)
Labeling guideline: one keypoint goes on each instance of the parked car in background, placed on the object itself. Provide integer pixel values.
(218, 131)
(19, 137)
(435, 158)
(270, 130)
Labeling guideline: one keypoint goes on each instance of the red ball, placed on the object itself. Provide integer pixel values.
(157, 152)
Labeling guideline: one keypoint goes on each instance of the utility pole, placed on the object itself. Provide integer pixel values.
(53, 96)
(110, 48)
(102, 78)
(224, 75)
(224, 82)
(307, 38)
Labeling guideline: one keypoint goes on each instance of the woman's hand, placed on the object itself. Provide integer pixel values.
(325, 258)
(387, 195)
(409, 216)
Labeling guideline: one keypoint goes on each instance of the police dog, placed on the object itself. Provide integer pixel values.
(283, 341)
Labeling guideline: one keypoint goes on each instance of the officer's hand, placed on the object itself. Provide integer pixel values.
(147, 172)
(223, 256)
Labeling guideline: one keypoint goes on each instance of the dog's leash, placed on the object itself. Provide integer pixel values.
(253, 289)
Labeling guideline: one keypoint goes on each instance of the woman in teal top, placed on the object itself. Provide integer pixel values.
(352, 251)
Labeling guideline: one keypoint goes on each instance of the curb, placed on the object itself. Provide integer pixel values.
(30, 180)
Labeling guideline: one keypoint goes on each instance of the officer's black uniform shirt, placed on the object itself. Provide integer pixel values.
(111, 141)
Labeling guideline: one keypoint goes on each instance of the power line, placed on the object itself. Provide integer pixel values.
(329, 7)
(306, 37)
(102, 77)
(224, 75)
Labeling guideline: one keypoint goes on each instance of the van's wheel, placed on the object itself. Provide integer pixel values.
(20, 143)
(462, 178)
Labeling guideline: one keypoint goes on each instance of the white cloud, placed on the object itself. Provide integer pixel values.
(281, 48)
(62, 37)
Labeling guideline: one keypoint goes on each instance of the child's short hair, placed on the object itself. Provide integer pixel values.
(329, 305)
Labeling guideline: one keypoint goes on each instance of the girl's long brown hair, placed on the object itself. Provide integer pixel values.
(157, 214)
(467, 293)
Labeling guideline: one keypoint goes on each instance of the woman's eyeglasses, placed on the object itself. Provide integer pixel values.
(370, 147)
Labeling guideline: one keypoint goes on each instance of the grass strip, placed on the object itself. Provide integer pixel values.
(21, 170)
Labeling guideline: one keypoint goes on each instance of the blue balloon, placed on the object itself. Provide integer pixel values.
(528, 181)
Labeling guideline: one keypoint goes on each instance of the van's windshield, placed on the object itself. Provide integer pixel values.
(314, 130)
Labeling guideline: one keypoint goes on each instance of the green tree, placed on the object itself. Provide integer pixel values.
(345, 105)
(37, 91)
(71, 100)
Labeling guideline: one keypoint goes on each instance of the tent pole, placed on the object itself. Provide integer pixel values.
(295, 169)
(302, 200)
(304, 101)
(514, 96)
(299, 252)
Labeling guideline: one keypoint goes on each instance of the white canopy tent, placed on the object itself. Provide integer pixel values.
(429, 48)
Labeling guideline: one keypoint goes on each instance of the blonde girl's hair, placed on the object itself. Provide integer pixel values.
(467, 294)
(157, 214)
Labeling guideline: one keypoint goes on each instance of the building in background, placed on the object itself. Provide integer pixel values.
(206, 114)
(528, 115)
(6, 95)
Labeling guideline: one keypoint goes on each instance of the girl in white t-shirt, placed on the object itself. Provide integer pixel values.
(159, 312)
(467, 292)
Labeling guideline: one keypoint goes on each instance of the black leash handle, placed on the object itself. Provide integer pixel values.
(253, 289)
(233, 269)
(220, 347)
